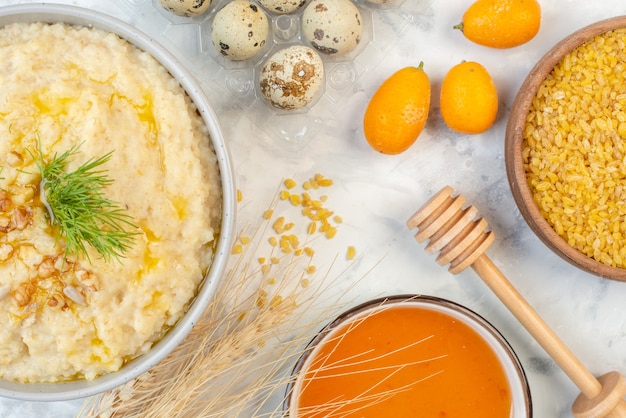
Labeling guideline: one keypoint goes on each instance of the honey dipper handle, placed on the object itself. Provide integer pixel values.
(601, 397)
(461, 241)
(559, 352)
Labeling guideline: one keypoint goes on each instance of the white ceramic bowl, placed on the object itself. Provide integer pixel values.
(82, 388)
(521, 405)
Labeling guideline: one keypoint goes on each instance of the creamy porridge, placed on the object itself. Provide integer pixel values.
(66, 318)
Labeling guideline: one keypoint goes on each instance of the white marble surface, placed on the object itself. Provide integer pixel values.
(375, 194)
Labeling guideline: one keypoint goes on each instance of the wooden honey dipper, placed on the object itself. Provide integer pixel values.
(461, 240)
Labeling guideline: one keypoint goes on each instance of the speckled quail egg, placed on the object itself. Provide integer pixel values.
(332, 27)
(239, 30)
(292, 77)
(186, 8)
(282, 6)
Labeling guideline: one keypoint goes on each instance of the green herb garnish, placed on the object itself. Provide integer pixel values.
(77, 206)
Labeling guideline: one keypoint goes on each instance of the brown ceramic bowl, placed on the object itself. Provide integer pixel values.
(514, 143)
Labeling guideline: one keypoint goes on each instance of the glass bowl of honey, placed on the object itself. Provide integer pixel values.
(409, 356)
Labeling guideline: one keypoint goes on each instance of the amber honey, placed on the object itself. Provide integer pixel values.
(406, 359)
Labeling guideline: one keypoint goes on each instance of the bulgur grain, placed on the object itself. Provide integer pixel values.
(295, 199)
(237, 249)
(351, 252)
(290, 183)
(574, 148)
(279, 225)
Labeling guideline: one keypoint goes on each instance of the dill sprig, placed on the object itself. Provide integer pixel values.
(77, 206)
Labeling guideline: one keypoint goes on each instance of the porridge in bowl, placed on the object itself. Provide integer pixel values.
(73, 315)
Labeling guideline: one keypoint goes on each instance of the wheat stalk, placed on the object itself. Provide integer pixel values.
(238, 360)
(240, 354)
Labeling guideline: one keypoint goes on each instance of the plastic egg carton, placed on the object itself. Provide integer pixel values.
(382, 25)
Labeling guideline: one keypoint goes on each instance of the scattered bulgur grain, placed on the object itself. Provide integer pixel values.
(351, 252)
(574, 148)
(237, 249)
(320, 219)
(285, 245)
(290, 183)
(294, 240)
(239, 195)
(295, 199)
(278, 225)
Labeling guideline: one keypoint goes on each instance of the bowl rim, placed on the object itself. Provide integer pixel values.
(513, 144)
(62, 391)
(445, 306)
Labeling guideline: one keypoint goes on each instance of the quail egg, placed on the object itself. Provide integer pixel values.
(282, 6)
(239, 30)
(292, 77)
(332, 27)
(186, 8)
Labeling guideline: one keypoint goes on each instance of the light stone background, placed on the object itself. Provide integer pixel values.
(375, 194)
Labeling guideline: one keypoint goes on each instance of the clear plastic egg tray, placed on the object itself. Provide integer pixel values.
(190, 39)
